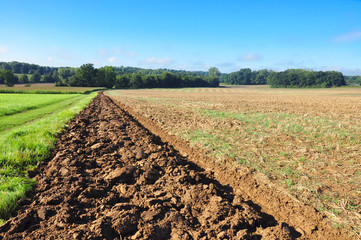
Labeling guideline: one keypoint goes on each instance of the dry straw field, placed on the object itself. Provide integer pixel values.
(305, 141)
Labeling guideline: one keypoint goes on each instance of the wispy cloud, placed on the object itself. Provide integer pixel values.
(348, 37)
(4, 49)
(158, 61)
(251, 57)
(112, 60)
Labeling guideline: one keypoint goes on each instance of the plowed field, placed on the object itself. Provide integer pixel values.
(304, 142)
(111, 178)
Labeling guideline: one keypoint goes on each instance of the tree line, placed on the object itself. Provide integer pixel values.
(119, 77)
(353, 80)
(26, 68)
(133, 77)
(299, 78)
(294, 78)
(246, 76)
(88, 76)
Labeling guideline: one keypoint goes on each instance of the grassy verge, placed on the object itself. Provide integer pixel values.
(15, 103)
(24, 146)
(7, 122)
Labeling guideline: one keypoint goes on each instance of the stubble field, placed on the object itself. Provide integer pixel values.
(303, 142)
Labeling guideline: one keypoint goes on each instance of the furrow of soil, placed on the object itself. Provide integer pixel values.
(111, 178)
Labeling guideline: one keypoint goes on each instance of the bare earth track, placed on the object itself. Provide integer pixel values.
(110, 178)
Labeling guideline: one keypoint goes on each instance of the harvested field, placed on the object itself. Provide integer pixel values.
(111, 178)
(305, 143)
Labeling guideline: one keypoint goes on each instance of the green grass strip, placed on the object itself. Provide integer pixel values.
(23, 147)
(15, 103)
(52, 90)
(7, 122)
(11, 189)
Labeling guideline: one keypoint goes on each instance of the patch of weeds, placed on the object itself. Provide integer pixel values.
(284, 154)
(320, 208)
(337, 225)
(242, 161)
(289, 182)
(334, 211)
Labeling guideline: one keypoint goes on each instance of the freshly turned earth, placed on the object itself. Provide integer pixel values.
(110, 178)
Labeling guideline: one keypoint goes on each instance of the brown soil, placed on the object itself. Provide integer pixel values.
(110, 178)
(327, 178)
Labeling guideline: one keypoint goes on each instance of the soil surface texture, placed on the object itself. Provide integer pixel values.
(111, 178)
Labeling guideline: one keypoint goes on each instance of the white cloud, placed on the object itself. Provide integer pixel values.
(50, 59)
(112, 59)
(158, 61)
(4, 49)
(348, 37)
(251, 57)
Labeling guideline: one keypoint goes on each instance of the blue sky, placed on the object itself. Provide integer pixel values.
(190, 35)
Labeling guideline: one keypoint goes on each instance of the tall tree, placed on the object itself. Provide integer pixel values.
(109, 78)
(86, 75)
(214, 72)
(136, 81)
(36, 77)
(7, 77)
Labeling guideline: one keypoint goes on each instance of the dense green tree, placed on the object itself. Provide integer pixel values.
(135, 81)
(261, 76)
(85, 75)
(36, 77)
(65, 73)
(245, 76)
(214, 76)
(354, 80)
(214, 72)
(122, 81)
(47, 78)
(109, 77)
(303, 78)
(7, 77)
(24, 79)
